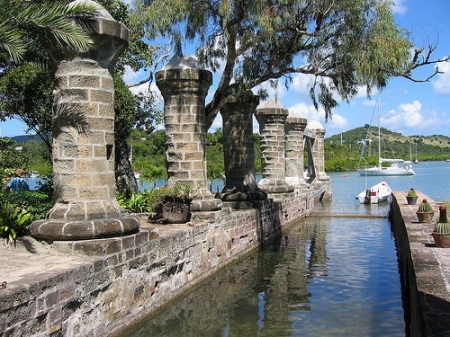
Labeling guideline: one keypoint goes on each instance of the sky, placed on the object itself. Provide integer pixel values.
(406, 107)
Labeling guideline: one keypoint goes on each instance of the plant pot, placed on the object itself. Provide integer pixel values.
(425, 216)
(411, 200)
(441, 240)
(176, 211)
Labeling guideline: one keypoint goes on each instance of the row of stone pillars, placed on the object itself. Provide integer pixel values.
(83, 162)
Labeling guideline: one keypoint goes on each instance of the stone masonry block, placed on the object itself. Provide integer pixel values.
(93, 193)
(84, 152)
(105, 110)
(190, 147)
(101, 123)
(102, 96)
(94, 137)
(91, 165)
(84, 81)
(63, 165)
(107, 83)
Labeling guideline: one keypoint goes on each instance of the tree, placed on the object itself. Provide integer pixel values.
(22, 23)
(26, 86)
(341, 44)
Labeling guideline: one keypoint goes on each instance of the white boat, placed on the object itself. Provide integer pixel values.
(376, 194)
(34, 174)
(397, 167)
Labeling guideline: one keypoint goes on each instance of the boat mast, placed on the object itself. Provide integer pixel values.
(379, 135)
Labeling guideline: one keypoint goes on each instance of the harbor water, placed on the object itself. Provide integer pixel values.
(333, 274)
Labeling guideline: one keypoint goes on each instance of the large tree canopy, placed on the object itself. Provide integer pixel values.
(342, 44)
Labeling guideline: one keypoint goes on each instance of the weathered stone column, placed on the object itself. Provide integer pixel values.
(314, 137)
(184, 87)
(294, 150)
(83, 160)
(239, 151)
(271, 116)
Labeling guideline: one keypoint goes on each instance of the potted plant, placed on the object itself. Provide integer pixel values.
(425, 212)
(411, 198)
(170, 204)
(441, 233)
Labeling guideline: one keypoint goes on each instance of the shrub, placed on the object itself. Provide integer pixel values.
(14, 221)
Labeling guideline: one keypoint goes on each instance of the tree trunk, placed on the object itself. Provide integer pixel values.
(125, 180)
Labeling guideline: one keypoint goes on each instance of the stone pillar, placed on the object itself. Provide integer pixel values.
(83, 160)
(184, 87)
(294, 150)
(315, 134)
(239, 151)
(271, 116)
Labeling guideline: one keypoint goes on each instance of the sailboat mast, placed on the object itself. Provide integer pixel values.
(379, 134)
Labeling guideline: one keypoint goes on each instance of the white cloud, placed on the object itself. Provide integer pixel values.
(409, 116)
(398, 7)
(442, 84)
(337, 123)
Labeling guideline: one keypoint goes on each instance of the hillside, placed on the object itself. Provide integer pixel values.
(342, 151)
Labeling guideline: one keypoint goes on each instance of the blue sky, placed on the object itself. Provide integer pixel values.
(406, 107)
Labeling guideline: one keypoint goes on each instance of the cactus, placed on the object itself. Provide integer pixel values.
(443, 228)
(425, 206)
(443, 224)
(412, 192)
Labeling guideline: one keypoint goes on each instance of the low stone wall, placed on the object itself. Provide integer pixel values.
(424, 270)
(120, 280)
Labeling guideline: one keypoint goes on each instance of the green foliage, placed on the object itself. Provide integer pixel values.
(412, 192)
(47, 22)
(425, 206)
(14, 221)
(342, 44)
(137, 203)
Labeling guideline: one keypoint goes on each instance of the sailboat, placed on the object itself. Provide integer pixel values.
(397, 167)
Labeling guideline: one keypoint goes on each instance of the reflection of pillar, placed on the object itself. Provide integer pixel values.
(83, 162)
(239, 152)
(294, 150)
(184, 87)
(271, 116)
(315, 134)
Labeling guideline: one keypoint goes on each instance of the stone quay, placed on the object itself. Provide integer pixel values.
(96, 287)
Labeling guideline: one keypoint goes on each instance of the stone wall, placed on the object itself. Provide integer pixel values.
(127, 277)
(423, 269)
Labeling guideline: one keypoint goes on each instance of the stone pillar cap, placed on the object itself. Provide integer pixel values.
(271, 106)
(100, 12)
(182, 62)
(313, 129)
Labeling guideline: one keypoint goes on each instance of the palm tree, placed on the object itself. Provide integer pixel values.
(22, 22)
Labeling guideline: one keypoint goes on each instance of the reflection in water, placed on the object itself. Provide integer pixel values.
(323, 277)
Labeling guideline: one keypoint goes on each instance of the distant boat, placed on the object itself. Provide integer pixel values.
(34, 175)
(376, 194)
(397, 167)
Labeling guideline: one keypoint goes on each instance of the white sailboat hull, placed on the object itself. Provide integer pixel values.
(376, 194)
(394, 170)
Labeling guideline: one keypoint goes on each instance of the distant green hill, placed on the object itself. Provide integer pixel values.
(342, 151)
(26, 138)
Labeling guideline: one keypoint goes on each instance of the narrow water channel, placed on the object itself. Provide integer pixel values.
(323, 277)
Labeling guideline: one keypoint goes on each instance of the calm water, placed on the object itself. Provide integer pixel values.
(333, 276)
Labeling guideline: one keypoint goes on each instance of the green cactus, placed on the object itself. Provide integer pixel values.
(443, 228)
(425, 206)
(443, 224)
(412, 192)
